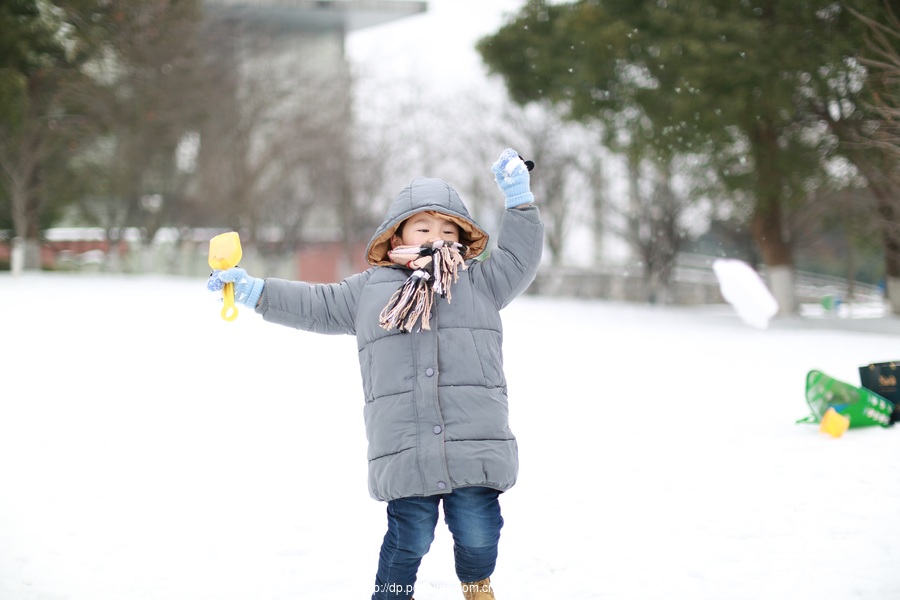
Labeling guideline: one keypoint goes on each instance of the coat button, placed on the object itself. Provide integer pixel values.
(429, 371)
(442, 485)
(436, 429)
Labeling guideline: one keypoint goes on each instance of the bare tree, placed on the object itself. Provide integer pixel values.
(874, 143)
(21, 155)
(560, 150)
(652, 222)
(593, 168)
(835, 227)
(274, 155)
(40, 125)
(457, 137)
(148, 95)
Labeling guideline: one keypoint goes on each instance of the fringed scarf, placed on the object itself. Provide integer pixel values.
(435, 267)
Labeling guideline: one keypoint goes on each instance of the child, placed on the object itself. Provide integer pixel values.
(428, 329)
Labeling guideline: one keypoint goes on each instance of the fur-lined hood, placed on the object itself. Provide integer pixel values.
(426, 195)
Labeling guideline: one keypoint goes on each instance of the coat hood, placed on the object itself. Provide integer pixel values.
(423, 195)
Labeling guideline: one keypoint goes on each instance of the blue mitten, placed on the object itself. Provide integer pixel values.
(247, 290)
(513, 178)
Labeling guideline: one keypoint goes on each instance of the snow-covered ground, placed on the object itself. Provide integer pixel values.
(151, 451)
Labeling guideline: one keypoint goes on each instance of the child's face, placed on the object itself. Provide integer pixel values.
(423, 228)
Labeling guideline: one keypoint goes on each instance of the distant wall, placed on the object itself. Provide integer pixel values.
(620, 286)
(86, 249)
(324, 261)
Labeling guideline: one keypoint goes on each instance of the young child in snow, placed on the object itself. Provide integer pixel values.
(428, 329)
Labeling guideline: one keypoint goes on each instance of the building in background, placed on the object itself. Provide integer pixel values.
(279, 164)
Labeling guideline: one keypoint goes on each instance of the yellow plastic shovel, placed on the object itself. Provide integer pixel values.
(225, 253)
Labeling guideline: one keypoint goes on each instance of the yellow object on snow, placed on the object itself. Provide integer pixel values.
(834, 423)
(224, 253)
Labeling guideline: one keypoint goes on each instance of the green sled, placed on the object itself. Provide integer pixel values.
(862, 407)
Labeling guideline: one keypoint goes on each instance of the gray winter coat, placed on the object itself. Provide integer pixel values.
(436, 410)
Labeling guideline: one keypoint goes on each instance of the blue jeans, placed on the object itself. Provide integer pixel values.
(473, 516)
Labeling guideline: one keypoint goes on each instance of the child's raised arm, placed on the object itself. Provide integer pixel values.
(513, 264)
(514, 179)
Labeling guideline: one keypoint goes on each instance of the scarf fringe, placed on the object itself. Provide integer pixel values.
(414, 299)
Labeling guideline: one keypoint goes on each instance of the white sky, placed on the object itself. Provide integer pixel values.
(436, 46)
(436, 50)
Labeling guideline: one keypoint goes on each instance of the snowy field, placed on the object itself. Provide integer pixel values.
(151, 451)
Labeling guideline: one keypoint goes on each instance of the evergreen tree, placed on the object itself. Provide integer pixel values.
(736, 83)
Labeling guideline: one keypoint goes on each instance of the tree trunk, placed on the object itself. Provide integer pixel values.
(892, 271)
(17, 257)
(19, 199)
(892, 289)
(32, 254)
(766, 226)
(776, 253)
(890, 236)
(598, 229)
(883, 186)
(885, 190)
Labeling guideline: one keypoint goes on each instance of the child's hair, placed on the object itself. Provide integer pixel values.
(470, 235)
(399, 231)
